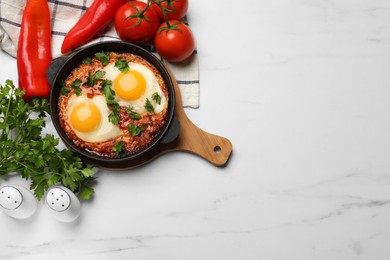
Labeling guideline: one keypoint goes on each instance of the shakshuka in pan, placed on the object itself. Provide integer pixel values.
(113, 104)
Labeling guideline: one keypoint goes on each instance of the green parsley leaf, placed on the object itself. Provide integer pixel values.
(122, 64)
(106, 83)
(53, 180)
(76, 83)
(109, 93)
(92, 79)
(149, 106)
(103, 57)
(134, 130)
(87, 172)
(119, 148)
(76, 86)
(87, 60)
(69, 182)
(135, 116)
(114, 106)
(129, 109)
(132, 114)
(156, 97)
(39, 188)
(114, 118)
(64, 89)
(85, 192)
(99, 74)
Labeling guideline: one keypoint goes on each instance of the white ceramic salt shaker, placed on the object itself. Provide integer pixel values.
(17, 201)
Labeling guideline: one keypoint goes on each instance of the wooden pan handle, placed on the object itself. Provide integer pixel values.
(213, 148)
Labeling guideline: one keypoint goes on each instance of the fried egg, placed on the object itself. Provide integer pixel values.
(134, 87)
(88, 118)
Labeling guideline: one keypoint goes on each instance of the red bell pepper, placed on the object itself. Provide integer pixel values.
(93, 23)
(34, 49)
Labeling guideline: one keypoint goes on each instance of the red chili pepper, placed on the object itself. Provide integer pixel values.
(34, 49)
(93, 23)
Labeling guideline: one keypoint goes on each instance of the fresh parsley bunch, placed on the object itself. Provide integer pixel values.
(24, 150)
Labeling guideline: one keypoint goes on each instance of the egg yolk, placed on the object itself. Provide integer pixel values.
(130, 85)
(85, 117)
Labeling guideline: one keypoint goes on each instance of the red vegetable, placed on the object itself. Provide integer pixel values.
(175, 9)
(93, 23)
(34, 49)
(174, 41)
(135, 22)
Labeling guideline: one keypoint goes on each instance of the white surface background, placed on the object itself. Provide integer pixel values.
(302, 90)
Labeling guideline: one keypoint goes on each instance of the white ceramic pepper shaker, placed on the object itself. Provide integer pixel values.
(63, 204)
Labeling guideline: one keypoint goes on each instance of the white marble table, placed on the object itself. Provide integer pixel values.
(302, 89)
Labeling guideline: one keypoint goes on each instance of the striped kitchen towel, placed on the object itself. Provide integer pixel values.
(64, 14)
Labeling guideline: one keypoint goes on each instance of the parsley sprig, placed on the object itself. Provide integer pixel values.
(114, 117)
(25, 150)
(76, 86)
(135, 130)
(92, 79)
(156, 97)
(122, 64)
(119, 148)
(133, 115)
(149, 106)
(103, 57)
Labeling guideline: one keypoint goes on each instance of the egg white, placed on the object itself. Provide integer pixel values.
(152, 86)
(105, 130)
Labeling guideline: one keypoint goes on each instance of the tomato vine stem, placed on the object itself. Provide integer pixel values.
(164, 10)
(139, 14)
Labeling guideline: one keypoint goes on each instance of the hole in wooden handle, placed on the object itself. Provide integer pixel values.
(217, 149)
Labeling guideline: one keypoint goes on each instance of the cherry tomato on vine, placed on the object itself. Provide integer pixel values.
(175, 9)
(174, 41)
(136, 23)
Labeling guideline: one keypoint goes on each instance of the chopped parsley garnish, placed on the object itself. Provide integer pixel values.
(132, 114)
(92, 79)
(119, 148)
(114, 116)
(64, 89)
(149, 106)
(105, 83)
(76, 86)
(99, 74)
(122, 64)
(87, 60)
(135, 130)
(129, 109)
(104, 57)
(108, 92)
(135, 116)
(156, 97)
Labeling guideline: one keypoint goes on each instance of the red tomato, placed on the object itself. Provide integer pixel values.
(176, 9)
(135, 24)
(174, 42)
